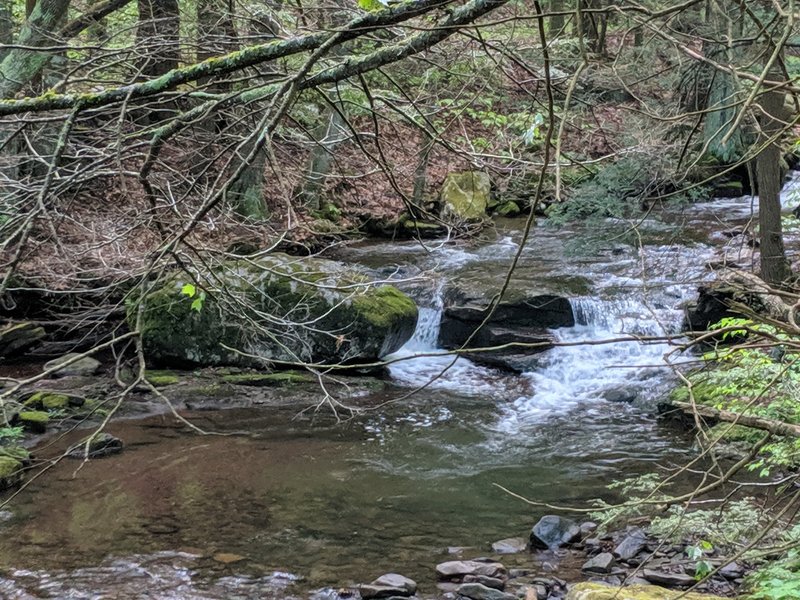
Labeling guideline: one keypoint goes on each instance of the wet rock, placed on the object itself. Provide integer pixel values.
(388, 586)
(458, 569)
(602, 563)
(619, 395)
(476, 591)
(510, 546)
(34, 421)
(100, 444)
(10, 472)
(668, 579)
(465, 196)
(16, 338)
(82, 367)
(633, 543)
(552, 532)
(600, 591)
(369, 320)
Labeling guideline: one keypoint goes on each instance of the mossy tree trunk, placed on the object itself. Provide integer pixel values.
(774, 266)
(6, 26)
(328, 136)
(556, 22)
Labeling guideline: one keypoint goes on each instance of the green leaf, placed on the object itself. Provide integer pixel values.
(189, 290)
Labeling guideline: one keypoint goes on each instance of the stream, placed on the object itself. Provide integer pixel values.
(305, 505)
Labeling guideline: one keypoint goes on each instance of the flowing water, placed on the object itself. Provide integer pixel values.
(303, 502)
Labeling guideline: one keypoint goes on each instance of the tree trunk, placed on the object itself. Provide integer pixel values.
(328, 136)
(6, 26)
(157, 37)
(774, 266)
(556, 22)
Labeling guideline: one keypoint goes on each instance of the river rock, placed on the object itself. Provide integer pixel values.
(100, 444)
(456, 570)
(350, 318)
(552, 532)
(633, 543)
(82, 367)
(668, 579)
(476, 591)
(465, 196)
(602, 563)
(510, 546)
(388, 586)
(600, 591)
(524, 321)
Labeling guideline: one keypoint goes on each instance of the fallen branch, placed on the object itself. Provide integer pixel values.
(771, 425)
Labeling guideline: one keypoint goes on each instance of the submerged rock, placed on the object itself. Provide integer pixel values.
(100, 444)
(456, 570)
(552, 532)
(286, 309)
(83, 366)
(600, 591)
(510, 546)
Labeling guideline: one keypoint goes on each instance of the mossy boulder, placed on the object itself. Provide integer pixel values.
(276, 308)
(48, 401)
(601, 591)
(508, 209)
(34, 421)
(10, 472)
(466, 195)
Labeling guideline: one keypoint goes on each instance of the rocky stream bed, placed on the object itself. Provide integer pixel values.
(391, 494)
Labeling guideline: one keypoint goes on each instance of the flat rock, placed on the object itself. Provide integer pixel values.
(83, 366)
(388, 586)
(510, 546)
(552, 532)
(458, 569)
(101, 444)
(633, 543)
(600, 591)
(476, 591)
(602, 563)
(668, 579)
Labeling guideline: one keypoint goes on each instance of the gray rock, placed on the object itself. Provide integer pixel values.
(16, 338)
(458, 569)
(82, 366)
(731, 571)
(602, 563)
(631, 544)
(588, 528)
(619, 396)
(668, 579)
(510, 546)
(476, 591)
(492, 582)
(389, 585)
(101, 444)
(552, 532)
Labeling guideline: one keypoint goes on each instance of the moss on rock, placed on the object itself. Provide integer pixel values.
(10, 472)
(600, 591)
(321, 311)
(162, 378)
(34, 421)
(268, 379)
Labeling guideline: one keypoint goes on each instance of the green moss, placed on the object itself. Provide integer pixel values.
(509, 209)
(55, 401)
(383, 305)
(735, 433)
(162, 378)
(15, 452)
(34, 420)
(267, 379)
(10, 472)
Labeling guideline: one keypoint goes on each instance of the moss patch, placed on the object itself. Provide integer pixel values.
(383, 305)
(268, 379)
(162, 378)
(34, 421)
(10, 472)
(599, 591)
